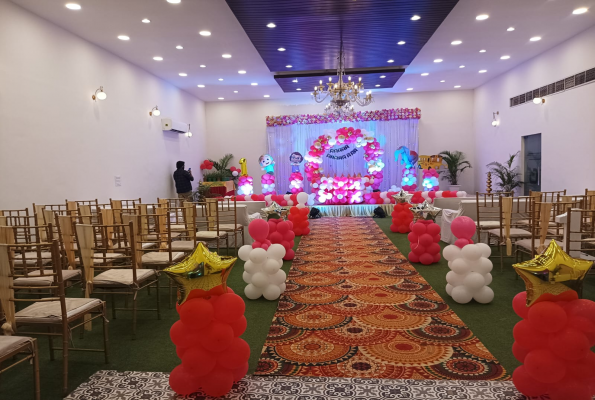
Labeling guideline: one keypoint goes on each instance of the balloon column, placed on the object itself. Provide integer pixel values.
(211, 321)
(430, 180)
(402, 215)
(423, 241)
(409, 172)
(280, 232)
(245, 184)
(267, 180)
(296, 179)
(262, 271)
(299, 216)
(557, 330)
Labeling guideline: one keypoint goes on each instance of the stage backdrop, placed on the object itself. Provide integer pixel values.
(392, 129)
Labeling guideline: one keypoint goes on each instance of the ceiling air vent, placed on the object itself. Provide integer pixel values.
(574, 81)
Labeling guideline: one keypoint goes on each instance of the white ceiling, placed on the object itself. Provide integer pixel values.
(101, 21)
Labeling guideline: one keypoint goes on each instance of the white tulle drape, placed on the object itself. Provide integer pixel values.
(284, 140)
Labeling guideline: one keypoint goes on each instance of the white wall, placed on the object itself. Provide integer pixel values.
(566, 121)
(446, 124)
(56, 143)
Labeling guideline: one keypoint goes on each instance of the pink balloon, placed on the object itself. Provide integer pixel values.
(259, 229)
(461, 243)
(463, 227)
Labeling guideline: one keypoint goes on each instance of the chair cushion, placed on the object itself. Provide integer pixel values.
(183, 245)
(31, 258)
(154, 237)
(160, 258)
(210, 234)
(122, 277)
(35, 278)
(49, 311)
(489, 224)
(9, 344)
(514, 232)
(177, 227)
(230, 227)
(526, 243)
(99, 257)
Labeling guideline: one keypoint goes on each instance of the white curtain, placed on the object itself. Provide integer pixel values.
(284, 140)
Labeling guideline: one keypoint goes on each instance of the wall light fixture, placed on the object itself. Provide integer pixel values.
(99, 94)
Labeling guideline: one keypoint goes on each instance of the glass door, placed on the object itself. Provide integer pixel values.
(532, 163)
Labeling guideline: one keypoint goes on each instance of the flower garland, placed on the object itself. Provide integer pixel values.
(360, 116)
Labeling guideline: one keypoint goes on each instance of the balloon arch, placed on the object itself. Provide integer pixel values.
(344, 189)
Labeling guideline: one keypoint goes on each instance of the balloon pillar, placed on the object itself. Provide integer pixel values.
(245, 184)
(280, 232)
(402, 215)
(430, 180)
(423, 241)
(268, 184)
(207, 335)
(296, 179)
(298, 215)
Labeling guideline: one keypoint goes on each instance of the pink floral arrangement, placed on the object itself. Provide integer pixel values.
(360, 116)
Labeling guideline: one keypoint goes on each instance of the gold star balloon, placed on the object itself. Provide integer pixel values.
(546, 272)
(202, 269)
(402, 197)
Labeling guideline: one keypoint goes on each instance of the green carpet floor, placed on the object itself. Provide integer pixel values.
(153, 350)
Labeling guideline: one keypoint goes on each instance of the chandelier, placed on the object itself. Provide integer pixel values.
(342, 94)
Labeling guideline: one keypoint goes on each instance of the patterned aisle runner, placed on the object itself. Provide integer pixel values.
(355, 307)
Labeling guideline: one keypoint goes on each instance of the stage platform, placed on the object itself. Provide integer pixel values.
(353, 210)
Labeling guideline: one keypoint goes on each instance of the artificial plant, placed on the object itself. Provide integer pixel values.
(455, 165)
(507, 177)
(222, 166)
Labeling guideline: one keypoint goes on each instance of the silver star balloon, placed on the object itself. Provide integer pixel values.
(425, 210)
(402, 197)
(273, 208)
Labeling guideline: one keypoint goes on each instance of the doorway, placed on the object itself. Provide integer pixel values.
(532, 163)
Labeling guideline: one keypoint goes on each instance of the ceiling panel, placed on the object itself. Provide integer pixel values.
(306, 84)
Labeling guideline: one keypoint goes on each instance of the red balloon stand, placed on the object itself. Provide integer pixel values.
(281, 232)
(207, 339)
(423, 240)
(553, 342)
(402, 218)
(299, 217)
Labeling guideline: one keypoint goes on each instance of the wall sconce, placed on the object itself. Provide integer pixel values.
(155, 112)
(495, 122)
(538, 100)
(99, 94)
(189, 134)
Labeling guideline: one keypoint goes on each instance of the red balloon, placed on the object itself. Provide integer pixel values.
(283, 227)
(426, 239)
(418, 228)
(258, 229)
(196, 313)
(426, 259)
(413, 237)
(547, 316)
(413, 257)
(519, 352)
(294, 211)
(272, 226)
(218, 337)
(218, 383)
(462, 242)
(519, 305)
(434, 248)
(276, 237)
(289, 255)
(307, 231)
(418, 249)
(198, 361)
(239, 326)
(240, 372)
(236, 355)
(180, 335)
(289, 236)
(182, 382)
(229, 308)
(569, 344)
(526, 384)
(462, 227)
(583, 308)
(180, 351)
(543, 366)
(528, 337)
(433, 229)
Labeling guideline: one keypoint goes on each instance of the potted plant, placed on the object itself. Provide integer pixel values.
(222, 167)
(507, 177)
(455, 165)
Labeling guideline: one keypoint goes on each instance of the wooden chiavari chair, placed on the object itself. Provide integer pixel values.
(209, 223)
(17, 218)
(55, 315)
(120, 205)
(229, 220)
(547, 197)
(11, 347)
(488, 211)
(542, 216)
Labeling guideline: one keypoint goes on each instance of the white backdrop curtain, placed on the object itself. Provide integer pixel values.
(284, 140)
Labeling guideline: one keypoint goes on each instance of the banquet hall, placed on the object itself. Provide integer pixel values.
(297, 199)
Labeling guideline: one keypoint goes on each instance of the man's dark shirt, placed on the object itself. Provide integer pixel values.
(183, 179)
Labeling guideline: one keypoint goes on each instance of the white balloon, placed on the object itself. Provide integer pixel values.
(451, 252)
(286, 196)
(290, 202)
(260, 279)
(244, 252)
(300, 206)
(461, 294)
(461, 193)
(276, 251)
(279, 277)
(460, 266)
(449, 288)
(471, 252)
(247, 277)
(258, 256)
(454, 279)
(302, 198)
(474, 281)
(282, 287)
(252, 292)
(488, 278)
(486, 251)
(251, 267)
(483, 266)
(272, 292)
(271, 266)
(484, 295)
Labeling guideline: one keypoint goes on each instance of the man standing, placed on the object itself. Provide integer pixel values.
(183, 179)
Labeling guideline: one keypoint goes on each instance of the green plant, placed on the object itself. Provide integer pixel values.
(221, 167)
(508, 178)
(455, 165)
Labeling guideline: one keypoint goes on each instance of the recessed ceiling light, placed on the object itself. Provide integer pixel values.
(377, 85)
(179, 47)
(401, 43)
(266, 95)
(461, 66)
(483, 71)
(241, 72)
(220, 79)
(438, 60)
(158, 58)
(73, 6)
(410, 88)
(174, 1)
(425, 74)
(289, 66)
(383, 76)
(457, 86)
(254, 84)
(200, 86)
(391, 61)
(220, 98)
(482, 50)
(271, 25)
(482, 17)
(442, 81)
(510, 29)
(295, 80)
(415, 18)
(183, 74)
(581, 10)
(535, 38)
(146, 21)
(456, 42)
(281, 49)
(204, 33)
(235, 91)
(226, 55)
(504, 57)
(123, 37)
(203, 66)
(298, 89)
